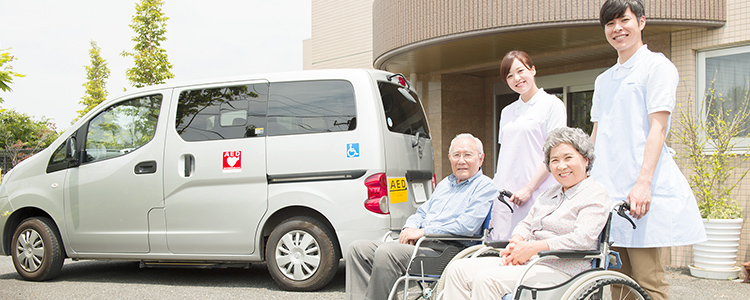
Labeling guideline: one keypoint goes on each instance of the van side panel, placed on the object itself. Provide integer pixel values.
(356, 149)
(215, 168)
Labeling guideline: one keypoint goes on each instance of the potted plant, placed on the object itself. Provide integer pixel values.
(710, 134)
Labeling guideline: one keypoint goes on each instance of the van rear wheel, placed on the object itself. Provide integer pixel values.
(300, 254)
(36, 249)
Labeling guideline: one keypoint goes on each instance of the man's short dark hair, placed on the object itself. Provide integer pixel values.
(613, 9)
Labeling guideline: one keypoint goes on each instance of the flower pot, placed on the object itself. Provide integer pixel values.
(716, 258)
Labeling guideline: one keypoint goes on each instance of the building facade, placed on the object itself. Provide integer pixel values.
(451, 52)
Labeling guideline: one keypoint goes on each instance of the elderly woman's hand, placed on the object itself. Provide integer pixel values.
(520, 252)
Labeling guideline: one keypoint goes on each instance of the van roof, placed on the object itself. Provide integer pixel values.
(274, 76)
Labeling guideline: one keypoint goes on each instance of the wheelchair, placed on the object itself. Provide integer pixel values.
(595, 283)
(426, 271)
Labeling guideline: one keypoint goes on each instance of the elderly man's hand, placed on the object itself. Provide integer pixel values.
(410, 235)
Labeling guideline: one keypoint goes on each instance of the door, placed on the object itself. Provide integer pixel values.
(215, 169)
(408, 148)
(107, 197)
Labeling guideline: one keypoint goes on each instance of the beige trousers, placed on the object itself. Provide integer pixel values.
(488, 278)
(644, 266)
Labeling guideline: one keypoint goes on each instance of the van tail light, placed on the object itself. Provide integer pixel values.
(377, 193)
(434, 182)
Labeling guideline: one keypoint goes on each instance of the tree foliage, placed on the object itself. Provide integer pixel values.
(22, 136)
(710, 141)
(97, 74)
(6, 72)
(151, 63)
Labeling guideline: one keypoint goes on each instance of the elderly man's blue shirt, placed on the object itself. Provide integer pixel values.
(456, 208)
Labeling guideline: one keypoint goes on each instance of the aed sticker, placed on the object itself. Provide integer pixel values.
(397, 190)
(232, 161)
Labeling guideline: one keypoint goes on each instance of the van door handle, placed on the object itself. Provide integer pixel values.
(145, 167)
(189, 163)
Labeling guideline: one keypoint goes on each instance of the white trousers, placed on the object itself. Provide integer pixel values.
(488, 278)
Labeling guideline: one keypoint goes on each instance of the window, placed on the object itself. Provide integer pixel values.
(122, 128)
(402, 114)
(725, 75)
(311, 107)
(579, 110)
(222, 113)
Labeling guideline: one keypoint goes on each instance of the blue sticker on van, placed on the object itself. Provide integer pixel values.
(352, 150)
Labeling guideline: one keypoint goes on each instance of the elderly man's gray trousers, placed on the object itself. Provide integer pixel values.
(373, 267)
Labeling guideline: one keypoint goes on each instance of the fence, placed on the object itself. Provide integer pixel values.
(6, 157)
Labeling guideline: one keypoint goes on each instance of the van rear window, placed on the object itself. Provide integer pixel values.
(311, 107)
(402, 114)
(222, 113)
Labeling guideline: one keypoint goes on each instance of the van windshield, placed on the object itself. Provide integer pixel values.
(402, 114)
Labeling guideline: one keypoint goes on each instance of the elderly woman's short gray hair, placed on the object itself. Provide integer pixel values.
(571, 136)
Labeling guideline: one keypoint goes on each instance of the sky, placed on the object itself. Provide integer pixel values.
(50, 40)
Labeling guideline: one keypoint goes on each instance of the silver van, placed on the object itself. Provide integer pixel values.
(285, 168)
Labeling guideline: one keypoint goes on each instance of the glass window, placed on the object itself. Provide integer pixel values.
(579, 110)
(222, 113)
(402, 114)
(122, 128)
(724, 75)
(311, 107)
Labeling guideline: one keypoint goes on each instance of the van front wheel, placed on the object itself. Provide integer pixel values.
(300, 254)
(36, 249)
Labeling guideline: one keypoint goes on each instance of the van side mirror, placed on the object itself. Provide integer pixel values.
(71, 154)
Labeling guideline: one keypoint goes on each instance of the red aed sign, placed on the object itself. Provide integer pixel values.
(232, 160)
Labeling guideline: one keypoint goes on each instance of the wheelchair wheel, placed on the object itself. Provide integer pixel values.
(612, 288)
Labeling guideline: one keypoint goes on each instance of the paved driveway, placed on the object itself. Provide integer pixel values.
(125, 280)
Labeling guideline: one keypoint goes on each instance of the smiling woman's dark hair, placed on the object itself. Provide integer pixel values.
(613, 9)
(507, 61)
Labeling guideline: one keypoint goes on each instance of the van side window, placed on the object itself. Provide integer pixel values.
(311, 107)
(122, 128)
(222, 113)
(403, 115)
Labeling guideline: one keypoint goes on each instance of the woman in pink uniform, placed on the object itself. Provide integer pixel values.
(524, 125)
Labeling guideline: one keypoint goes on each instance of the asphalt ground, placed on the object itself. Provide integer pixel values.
(126, 280)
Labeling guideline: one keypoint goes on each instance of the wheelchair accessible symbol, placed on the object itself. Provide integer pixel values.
(352, 150)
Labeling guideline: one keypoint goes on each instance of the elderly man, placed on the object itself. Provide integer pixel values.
(458, 206)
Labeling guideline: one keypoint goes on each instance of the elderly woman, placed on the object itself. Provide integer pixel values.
(569, 215)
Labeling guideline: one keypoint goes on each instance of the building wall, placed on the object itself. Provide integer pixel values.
(341, 35)
(685, 45)
(416, 22)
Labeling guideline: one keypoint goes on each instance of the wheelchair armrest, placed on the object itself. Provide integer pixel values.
(497, 244)
(451, 237)
(568, 253)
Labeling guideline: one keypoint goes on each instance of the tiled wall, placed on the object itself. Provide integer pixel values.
(398, 23)
(685, 45)
(341, 35)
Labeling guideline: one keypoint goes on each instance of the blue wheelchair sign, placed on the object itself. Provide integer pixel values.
(352, 150)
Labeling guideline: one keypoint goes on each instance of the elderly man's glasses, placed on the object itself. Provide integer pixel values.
(466, 156)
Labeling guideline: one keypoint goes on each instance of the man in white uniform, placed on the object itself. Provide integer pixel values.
(631, 111)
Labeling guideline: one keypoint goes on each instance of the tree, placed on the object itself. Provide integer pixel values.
(97, 74)
(6, 72)
(151, 63)
(22, 136)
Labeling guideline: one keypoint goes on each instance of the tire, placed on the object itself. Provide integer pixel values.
(300, 254)
(601, 289)
(36, 249)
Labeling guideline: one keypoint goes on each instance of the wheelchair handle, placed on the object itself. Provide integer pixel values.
(502, 196)
(621, 207)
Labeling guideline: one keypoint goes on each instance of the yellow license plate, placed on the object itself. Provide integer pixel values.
(397, 190)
